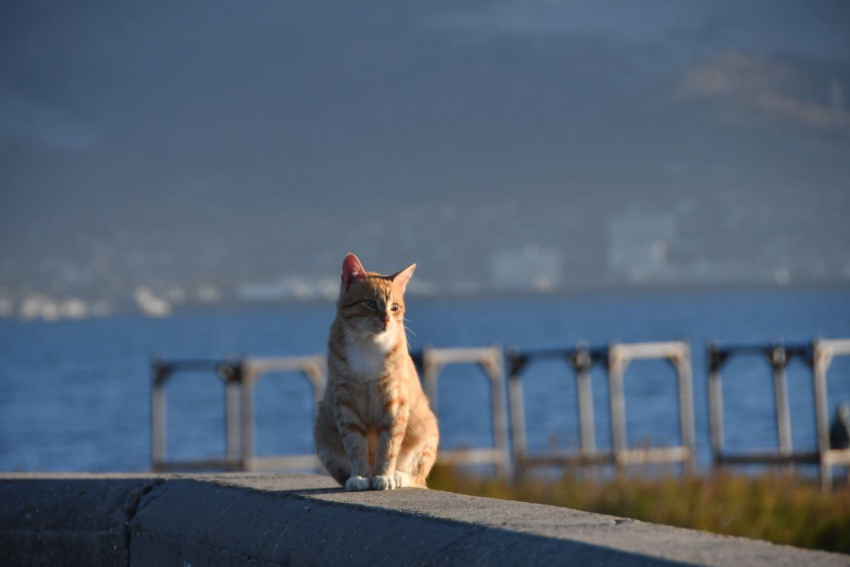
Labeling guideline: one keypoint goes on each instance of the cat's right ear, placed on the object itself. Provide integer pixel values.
(352, 270)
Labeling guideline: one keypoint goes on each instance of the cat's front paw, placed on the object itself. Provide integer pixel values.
(356, 483)
(383, 482)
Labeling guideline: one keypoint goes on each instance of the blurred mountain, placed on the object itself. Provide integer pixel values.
(608, 144)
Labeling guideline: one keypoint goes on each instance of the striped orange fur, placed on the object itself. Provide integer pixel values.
(374, 427)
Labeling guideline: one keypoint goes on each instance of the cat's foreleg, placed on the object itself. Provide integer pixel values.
(415, 461)
(337, 465)
(329, 447)
(392, 430)
(353, 434)
(423, 465)
(419, 450)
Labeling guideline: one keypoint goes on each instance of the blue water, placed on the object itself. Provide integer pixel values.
(74, 395)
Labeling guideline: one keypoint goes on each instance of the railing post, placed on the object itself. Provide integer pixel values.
(616, 368)
(682, 363)
(246, 377)
(230, 373)
(715, 401)
(778, 361)
(494, 368)
(821, 359)
(159, 437)
(581, 361)
(519, 441)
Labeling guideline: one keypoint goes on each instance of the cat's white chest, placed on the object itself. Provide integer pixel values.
(367, 359)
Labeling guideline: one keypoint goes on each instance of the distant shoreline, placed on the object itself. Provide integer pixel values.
(486, 296)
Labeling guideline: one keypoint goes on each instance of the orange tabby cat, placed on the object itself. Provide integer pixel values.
(374, 427)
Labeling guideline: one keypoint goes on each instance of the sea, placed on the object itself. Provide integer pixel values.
(75, 395)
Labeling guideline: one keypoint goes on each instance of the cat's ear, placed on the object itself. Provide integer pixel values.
(403, 276)
(352, 270)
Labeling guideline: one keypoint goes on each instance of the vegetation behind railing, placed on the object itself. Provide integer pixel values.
(779, 508)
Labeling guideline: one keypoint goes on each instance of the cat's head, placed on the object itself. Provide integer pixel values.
(372, 304)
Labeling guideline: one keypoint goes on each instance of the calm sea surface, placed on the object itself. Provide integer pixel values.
(74, 395)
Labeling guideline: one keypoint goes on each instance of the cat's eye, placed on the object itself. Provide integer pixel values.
(394, 307)
(371, 304)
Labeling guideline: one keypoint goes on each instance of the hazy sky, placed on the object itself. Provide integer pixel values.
(222, 140)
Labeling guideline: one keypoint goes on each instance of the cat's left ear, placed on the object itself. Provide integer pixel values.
(402, 277)
(352, 270)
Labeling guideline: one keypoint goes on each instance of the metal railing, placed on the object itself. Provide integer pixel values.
(490, 360)
(823, 352)
(580, 359)
(230, 371)
(240, 377)
(615, 358)
(777, 356)
(818, 355)
(678, 353)
(310, 367)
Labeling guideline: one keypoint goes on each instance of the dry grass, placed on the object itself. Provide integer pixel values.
(781, 509)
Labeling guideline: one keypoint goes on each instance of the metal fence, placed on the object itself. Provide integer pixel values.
(817, 355)
(240, 377)
(432, 361)
(615, 359)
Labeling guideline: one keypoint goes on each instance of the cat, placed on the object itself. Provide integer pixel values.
(374, 426)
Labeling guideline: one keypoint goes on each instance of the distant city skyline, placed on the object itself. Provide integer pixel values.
(188, 156)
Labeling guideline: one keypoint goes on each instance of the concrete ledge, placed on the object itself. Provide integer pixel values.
(262, 519)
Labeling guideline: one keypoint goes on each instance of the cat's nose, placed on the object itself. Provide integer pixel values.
(385, 319)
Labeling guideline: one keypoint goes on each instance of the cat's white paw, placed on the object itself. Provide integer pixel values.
(383, 482)
(356, 483)
(402, 479)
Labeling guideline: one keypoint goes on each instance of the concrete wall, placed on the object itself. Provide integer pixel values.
(264, 520)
